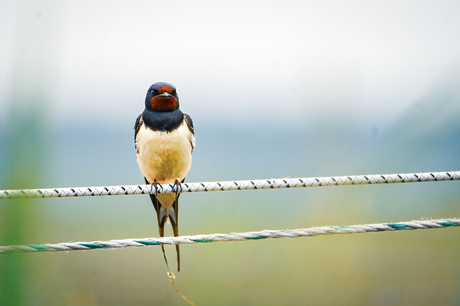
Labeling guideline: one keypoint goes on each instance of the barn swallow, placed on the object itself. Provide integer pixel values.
(164, 140)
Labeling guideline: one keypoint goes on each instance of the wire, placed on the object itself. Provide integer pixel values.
(295, 233)
(233, 185)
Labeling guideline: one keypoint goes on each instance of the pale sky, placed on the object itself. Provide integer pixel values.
(250, 60)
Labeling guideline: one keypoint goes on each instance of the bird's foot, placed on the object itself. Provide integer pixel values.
(155, 185)
(177, 187)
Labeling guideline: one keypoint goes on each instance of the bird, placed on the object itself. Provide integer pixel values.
(164, 141)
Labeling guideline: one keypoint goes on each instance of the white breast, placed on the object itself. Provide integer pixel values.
(164, 156)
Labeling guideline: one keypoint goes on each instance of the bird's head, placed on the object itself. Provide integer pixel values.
(162, 97)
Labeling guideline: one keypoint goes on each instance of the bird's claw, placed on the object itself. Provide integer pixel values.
(177, 187)
(155, 185)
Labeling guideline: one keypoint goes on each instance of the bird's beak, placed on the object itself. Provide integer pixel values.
(165, 94)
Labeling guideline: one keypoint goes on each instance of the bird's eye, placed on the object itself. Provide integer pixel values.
(174, 92)
(154, 92)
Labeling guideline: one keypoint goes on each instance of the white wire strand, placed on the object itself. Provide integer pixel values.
(233, 185)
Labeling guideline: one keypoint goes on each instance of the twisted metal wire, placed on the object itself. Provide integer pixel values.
(233, 185)
(295, 233)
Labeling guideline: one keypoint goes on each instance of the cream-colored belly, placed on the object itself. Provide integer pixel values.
(164, 156)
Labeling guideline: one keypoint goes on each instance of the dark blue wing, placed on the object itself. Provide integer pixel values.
(137, 126)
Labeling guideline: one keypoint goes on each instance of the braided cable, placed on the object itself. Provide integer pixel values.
(233, 185)
(295, 233)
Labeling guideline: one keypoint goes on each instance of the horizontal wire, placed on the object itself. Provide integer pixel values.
(233, 185)
(295, 233)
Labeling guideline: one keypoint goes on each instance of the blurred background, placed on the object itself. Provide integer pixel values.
(275, 89)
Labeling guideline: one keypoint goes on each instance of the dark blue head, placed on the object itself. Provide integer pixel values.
(162, 97)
